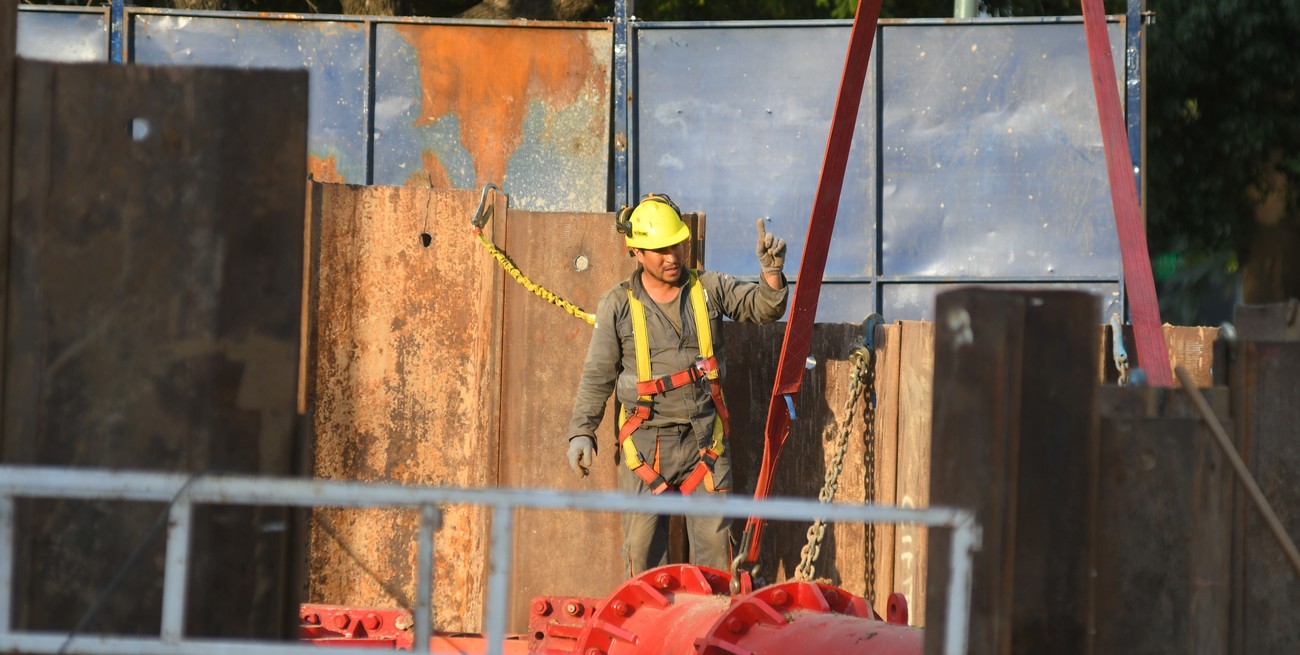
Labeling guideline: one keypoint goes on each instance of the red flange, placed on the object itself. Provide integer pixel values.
(682, 609)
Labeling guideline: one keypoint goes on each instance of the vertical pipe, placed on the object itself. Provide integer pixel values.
(619, 146)
(1133, 106)
(368, 104)
(965, 541)
(179, 520)
(116, 27)
(963, 8)
(499, 575)
(6, 560)
(430, 519)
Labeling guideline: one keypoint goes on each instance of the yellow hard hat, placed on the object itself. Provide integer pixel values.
(656, 223)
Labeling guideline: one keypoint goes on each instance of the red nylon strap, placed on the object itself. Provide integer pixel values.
(656, 482)
(1144, 309)
(696, 477)
(634, 419)
(798, 331)
(667, 383)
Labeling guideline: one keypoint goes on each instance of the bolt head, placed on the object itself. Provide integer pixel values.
(735, 626)
(404, 622)
(593, 651)
(780, 598)
(620, 608)
(311, 618)
(372, 621)
(663, 581)
(573, 608)
(341, 621)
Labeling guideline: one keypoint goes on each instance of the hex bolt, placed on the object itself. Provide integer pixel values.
(735, 626)
(663, 581)
(311, 618)
(542, 607)
(404, 622)
(372, 621)
(594, 651)
(780, 598)
(620, 608)
(574, 608)
(341, 621)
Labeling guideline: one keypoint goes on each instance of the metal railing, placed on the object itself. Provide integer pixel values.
(183, 491)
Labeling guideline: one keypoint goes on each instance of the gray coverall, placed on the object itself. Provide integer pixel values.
(682, 420)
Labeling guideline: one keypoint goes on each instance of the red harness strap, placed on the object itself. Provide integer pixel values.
(644, 409)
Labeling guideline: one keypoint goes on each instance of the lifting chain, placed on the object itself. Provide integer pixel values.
(861, 382)
(480, 219)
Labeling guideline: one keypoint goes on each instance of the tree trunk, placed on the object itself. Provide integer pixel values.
(1270, 272)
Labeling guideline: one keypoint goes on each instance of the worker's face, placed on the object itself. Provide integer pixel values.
(668, 264)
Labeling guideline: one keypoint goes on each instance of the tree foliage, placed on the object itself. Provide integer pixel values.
(1222, 104)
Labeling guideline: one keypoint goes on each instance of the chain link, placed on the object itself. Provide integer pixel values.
(861, 382)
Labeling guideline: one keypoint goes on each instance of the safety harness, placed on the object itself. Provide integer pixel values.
(706, 368)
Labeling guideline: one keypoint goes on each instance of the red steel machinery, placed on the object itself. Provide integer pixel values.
(671, 610)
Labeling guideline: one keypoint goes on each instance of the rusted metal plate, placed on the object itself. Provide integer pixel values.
(751, 360)
(1163, 526)
(524, 106)
(578, 257)
(976, 409)
(1265, 381)
(153, 288)
(1014, 394)
(333, 53)
(405, 376)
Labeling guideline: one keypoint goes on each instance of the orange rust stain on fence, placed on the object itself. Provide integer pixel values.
(324, 169)
(434, 174)
(487, 76)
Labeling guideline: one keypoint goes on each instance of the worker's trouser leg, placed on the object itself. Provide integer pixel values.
(645, 536)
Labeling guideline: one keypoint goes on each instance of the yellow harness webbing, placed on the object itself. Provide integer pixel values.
(648, 387)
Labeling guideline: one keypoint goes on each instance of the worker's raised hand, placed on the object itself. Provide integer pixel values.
(581, 452)
(770, 250)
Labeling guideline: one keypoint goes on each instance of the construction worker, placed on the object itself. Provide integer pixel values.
(654, 344)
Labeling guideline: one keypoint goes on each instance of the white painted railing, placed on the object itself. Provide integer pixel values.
(183, 491)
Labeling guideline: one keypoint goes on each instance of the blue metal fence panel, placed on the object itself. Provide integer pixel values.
(65, 35)
(524, 106)
(333, 53)
(732, 120)
(984, 133)
(915, 301)
(992, 155)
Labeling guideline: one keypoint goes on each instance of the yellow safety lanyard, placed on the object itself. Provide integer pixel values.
(706, 367)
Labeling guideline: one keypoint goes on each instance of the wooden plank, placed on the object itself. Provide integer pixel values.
(976, 399)
(1058, 433)
(406, 381)
(1193, 347)
(8, 50)
(153, 324)
(579, 257)
(1163, 527)
(884, 464)
(1269, 422)
(916, 373)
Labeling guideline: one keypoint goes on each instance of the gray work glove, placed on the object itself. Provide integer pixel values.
(770, 250)
(581, 452)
